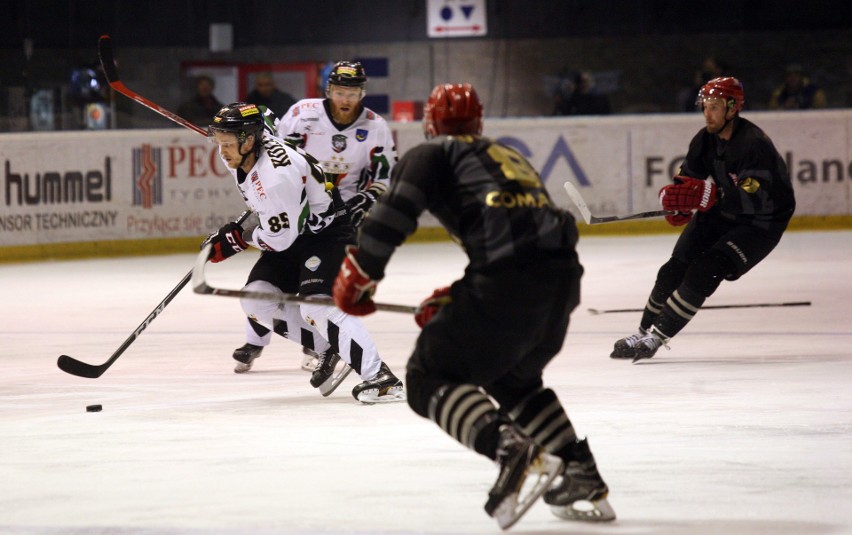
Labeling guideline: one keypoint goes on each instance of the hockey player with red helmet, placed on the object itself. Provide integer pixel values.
(734, 194)
(477, 365)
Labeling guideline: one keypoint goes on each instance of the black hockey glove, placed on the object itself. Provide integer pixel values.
(227, 242)
(361, 202)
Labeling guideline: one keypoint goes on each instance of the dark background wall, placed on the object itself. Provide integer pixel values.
(644, 51)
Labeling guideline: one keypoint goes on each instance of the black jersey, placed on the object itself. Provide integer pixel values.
(485, 194)
(754, 184)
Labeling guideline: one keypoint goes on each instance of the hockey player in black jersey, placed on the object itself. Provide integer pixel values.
(735, 197)
(476, 369)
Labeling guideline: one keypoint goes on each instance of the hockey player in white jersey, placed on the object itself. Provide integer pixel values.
(302, 235)
(355, 148)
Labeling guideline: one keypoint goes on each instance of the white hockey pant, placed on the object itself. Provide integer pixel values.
(351, 332)
(316, 319)
(264, 312)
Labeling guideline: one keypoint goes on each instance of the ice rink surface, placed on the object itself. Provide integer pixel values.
(743, 427)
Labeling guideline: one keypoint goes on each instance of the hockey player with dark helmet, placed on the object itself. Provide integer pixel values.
(452, 109)
(357, 151)
(301, 226)
(347, 74)
(344, 92)
(243, 120)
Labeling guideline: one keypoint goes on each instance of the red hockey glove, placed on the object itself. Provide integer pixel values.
(354, 289)
(678, 219)
(688, 193)
(227, 242)
(431, 305)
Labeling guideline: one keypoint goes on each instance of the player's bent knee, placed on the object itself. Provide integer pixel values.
(313, 314)
(671, 273)
(260, 308)
(705, 275)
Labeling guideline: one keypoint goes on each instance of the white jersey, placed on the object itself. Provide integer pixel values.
(353, 158)
(286, 189)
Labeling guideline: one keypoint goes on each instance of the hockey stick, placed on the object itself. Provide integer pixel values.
(111, 71)
(93, 371)
(577, 199)
(596, 311)
(200, 286)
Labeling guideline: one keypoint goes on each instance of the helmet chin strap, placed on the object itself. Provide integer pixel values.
(727, 122)
(255, 149)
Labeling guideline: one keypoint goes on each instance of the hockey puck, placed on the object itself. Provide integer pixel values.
(94, 408)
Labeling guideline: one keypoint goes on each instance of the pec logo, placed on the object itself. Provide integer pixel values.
(338, 142)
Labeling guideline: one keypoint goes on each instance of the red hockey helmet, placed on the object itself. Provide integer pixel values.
(452, 109)
(727, 88)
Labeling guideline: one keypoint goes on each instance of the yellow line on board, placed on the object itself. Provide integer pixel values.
(119, 248)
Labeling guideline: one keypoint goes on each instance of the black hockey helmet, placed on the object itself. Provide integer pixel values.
(348, 74)
(238, 118)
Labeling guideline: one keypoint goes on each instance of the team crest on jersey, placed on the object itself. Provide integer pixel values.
(338, 142)
(361, 134)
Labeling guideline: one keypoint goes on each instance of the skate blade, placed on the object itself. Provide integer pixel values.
(585, 511)
(242, 368)
(372, 397)
(547, 467)
(341, 371)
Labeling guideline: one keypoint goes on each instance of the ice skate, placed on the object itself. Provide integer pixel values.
(626, 347)
(581, 494)
(245, 356)
(310, 359)
(519, 457)
(648, 345)
(383, 388)
(329, 373)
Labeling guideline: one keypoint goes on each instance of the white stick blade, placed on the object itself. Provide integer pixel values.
(577, 199)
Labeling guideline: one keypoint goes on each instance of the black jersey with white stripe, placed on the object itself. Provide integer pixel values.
(487, 195)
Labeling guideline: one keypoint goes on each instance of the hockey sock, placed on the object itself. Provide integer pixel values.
(680, 308)
(669, 277)
(700, 281)
(469, 416)
(542, 417)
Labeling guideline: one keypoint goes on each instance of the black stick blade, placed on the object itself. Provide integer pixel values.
(107, 59)
(78, 368)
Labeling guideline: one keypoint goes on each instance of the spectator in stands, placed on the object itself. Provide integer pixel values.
(204, 105)
(797, 92)
(710, 68)
(562, 92)
(266, 94)
(585, 98)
